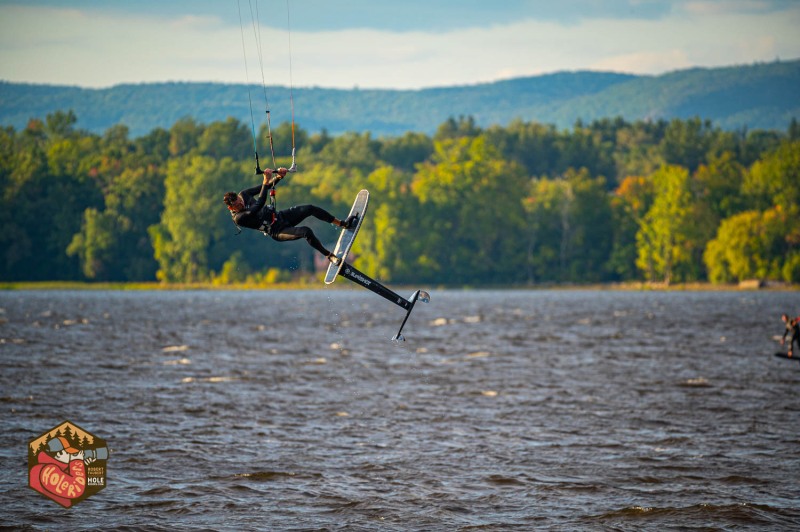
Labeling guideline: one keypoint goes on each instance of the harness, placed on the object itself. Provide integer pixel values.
(273, 212)
(266, 225)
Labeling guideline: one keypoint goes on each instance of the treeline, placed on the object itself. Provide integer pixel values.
(612, 200)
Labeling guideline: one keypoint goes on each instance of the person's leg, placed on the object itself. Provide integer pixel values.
(296, 233)
(294, 215)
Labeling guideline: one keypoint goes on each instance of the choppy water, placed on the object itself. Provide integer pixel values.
(575, 410)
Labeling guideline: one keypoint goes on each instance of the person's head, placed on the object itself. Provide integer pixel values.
(233, 201)
(784, 317)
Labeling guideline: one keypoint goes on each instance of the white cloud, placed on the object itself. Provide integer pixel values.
(710, 7)
(69, 46)
(644, 62)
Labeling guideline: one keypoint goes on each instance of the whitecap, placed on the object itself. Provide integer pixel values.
(220, 379)
(178, 361)
(175, 348)
(209, 379)
(699, 382)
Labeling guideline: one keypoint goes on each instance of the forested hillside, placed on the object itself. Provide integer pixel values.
(526, 203)
(760, 96)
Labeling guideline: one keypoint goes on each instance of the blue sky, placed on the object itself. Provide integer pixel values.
(381, 44)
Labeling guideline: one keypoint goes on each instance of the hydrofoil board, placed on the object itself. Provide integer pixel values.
(348, 236)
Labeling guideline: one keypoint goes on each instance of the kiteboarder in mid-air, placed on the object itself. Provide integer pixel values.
(249, 208)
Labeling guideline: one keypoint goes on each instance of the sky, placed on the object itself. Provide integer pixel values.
(386, 44)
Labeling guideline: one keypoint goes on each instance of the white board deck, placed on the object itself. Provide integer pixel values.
(348, 236)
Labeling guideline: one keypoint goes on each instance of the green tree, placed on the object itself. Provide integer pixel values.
(465, 126)
(230, 138)
(47, 181)
(189, 242)
(585, 148)
(532, 145)
(316, 142)
(356, 154)
(775, 178)
(686, 142)
(754, 244)
(629, 203)
(569, 228)
(718, 185)
(94, 244)
(60, 124)
(407, 151)
(754, 144)
(662, 239)
(636, 150)
(471, 198)
(794, 129)
(548, 220)
(234, 270)
(184, 136)
(384, 248)
(113, 244)
(154, 146)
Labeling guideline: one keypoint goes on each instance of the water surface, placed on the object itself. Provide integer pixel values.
(504, 409)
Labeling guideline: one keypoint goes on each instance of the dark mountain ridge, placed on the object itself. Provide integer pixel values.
(757, 96)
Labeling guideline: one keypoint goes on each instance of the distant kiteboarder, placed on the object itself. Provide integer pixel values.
(793, 328)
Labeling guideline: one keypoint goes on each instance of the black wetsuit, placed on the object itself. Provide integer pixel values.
(279, 225)
(793, 328)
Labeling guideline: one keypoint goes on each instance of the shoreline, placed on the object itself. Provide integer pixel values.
(208, 286)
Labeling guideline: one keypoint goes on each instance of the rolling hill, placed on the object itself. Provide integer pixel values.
(757, 96)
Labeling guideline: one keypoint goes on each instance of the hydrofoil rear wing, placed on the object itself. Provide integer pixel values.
(348, 271)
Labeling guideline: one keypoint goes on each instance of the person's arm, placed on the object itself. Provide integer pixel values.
(249, 193)
(267, 183)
